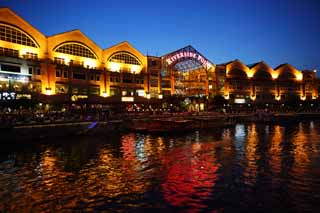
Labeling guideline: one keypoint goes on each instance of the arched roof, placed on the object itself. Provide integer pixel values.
(76, 37)
(236, 65)
(124, 47)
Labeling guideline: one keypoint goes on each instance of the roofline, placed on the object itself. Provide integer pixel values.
(24, 20)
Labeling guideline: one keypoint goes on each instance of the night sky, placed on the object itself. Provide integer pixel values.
(275, 31)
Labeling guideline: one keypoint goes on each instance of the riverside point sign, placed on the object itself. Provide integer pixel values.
(188, 54)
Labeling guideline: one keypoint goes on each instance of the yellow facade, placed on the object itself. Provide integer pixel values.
(72, 63)
(46, 52)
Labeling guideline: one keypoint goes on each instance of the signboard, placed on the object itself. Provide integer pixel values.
(6, 96)
(189, 54)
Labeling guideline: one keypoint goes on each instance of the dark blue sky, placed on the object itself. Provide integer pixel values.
(276, 31)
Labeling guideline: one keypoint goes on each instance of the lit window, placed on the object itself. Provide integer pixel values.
(59, 60)
(14, 35)
(76, 49)
(9, 52)
(125, 58)
(32, 56)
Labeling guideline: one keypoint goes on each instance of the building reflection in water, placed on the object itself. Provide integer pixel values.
(252, 155)
(239, 138)
(275, 150)
(191, 175)
(191, 172)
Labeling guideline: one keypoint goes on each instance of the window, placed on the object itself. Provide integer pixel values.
(30, 70)
(9, 52)
(58, 60)
(76, 49)
(32, 56)
(92, 77)
(61, 88)
(14, 35)
(10, 68)
(94, 90)
(97, 77)
(114, 79)
(38, 71)
(139, 81)
(58, 73)
(79, 76)
(127, 79)
(124, 57)
(65, 74)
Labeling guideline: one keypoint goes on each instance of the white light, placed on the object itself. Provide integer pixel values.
(141, 92)
(127, 99)
(48, 91)
(135, 69)
(160, 96)
(115, 67)
(239, 101)
(148, 96)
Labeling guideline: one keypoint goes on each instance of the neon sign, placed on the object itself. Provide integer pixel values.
(193, 55)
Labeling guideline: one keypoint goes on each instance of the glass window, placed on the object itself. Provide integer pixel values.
(38, 71)
(58, 73)
(32, 56)
(9, 52)
(79, 76)
(10, 68)
(65, 74)
(76, 49)
(59, 60)
(124, 57)
(14, 35)
(30, 70)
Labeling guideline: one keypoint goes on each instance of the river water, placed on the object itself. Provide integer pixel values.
(246, 167)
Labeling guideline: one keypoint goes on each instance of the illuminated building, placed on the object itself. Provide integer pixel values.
(71, 65)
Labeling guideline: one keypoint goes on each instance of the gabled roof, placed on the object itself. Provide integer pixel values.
(76, 31)
(253, 65)
(284, 65)
(123, 43)
(226, 63)
(258, 63)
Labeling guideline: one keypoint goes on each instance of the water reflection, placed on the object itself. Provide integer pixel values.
(190, 180)
(256, 167)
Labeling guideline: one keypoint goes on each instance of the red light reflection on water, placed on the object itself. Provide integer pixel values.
(192, 174)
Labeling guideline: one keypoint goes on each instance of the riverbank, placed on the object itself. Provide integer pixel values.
(148, 124)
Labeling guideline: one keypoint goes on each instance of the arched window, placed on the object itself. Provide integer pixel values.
(12, 34)
(124, 57)
(77, 49)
